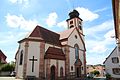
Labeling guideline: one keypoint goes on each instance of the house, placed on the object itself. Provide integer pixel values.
(2, 57)
(112, 62)
(112, 65)
(45, 54)
(116, 15)
(100, 68)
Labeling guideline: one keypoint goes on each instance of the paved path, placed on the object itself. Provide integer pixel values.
(8, 78)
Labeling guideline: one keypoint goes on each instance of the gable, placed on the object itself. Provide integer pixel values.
(76, 38)
(112, 54)
(2, 55)
(66, 34)
(54, 53)
(42, 34)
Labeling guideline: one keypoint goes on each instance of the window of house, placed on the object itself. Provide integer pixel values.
(115, 60)
(61, 72)
(76, 52)
(82, 67)
(21, 57)
(71, 26)
(75, 36)
(87, 67)
(71, 68)
(116, 71)
(71, 22)
(80, 25)
(119, 48)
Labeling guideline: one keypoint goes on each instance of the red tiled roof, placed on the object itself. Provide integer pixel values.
(46, 35)
(78, 62)
(54, 53)
(3, 57)
(66, 34)
(2, 54)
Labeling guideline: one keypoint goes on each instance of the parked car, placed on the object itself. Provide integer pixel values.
(13, 73)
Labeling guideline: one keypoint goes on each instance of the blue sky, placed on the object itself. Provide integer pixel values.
(18, 17)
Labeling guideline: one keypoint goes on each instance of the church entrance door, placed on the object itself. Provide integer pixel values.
(52, 73)
(78, 64)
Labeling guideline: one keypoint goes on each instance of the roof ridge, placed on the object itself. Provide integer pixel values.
(47, 29)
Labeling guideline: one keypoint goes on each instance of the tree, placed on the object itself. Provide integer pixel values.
(95, 72)
(108, 76)
(8, 67)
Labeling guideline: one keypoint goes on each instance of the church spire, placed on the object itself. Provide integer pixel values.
(74, 20)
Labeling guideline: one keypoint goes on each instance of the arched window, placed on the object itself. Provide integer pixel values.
(76, 51)
(61, 72)
(21, 57)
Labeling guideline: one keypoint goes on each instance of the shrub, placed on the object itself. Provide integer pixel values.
(95, 73)
(7, 67)
(108, 76)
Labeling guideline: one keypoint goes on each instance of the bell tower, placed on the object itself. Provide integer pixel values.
(74, 20)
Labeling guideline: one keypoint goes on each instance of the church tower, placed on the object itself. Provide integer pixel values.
(74, 20)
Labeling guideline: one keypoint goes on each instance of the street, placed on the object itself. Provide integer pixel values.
(13, 78)
(8, 78)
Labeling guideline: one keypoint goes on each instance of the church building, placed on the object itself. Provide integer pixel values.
(48, 55)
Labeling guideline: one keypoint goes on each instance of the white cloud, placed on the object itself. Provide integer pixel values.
(95, 59)
(101, 46)
(86, 14)
(98, 48)
(24, 3)
(13, 1)
(99, 43)
(62, 24)
(51, 20)
(10, 37)
(19, 21)
(9, 43)
(100, 10)
(99, 28)
(109, 34)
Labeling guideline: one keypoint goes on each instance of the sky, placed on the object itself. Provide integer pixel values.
(19, 17)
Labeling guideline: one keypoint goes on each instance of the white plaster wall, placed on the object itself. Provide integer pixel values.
(72, 59)
(72, 41)
(20, 67)
(109, 65)
(81, 56)
(61, 63)
(52, 62)
(33, 50)
(70, 21)
(16, 65)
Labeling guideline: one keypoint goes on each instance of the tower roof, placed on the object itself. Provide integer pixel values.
(74, 14)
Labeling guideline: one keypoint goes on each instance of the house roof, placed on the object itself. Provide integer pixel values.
(66, 34)
(110, 55)
(2, 54)
(115, 5)
(40, 33)
(78, 62)
(54, 53)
